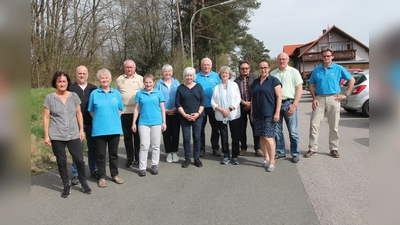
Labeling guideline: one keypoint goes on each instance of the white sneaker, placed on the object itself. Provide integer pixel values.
(169, 158)
(175, 157)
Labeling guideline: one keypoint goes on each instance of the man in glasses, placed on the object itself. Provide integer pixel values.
(292, 89)
(325, 91)
(244, 82)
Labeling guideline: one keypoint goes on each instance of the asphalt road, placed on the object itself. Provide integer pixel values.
(317, 190)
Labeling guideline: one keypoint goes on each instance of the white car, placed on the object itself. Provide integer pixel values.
(358, 99)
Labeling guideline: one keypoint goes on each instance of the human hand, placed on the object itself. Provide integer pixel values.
(290, 110)
(163, 126)
(81, 135)
(315, 104)
(47, 140)
(340, 97)
(134, 128)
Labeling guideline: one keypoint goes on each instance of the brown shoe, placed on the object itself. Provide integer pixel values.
(102, 183)
(335, 154)
(310, 153)
(259, 152)
(242, 152)
(118, 180)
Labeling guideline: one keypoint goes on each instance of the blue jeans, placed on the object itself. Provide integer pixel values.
(196, 128)
(291, 123)
(91, 151)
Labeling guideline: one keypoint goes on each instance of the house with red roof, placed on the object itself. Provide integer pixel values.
(348, 51)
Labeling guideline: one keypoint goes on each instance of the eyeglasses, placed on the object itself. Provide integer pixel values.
(326, 56)
(263, 68)
(244, 68)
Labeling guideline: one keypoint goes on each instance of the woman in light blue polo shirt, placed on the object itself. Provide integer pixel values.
(150, 104)
(168, 86)
(105, 106)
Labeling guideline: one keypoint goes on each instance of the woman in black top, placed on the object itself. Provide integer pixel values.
(190, 103)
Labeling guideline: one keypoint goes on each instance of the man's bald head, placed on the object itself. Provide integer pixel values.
(82, 75)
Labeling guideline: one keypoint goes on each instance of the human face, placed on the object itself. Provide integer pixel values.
(189, 78)
(283, 60)
(104, 80)
(263, 69)
(148, 84)
(327, 57)
(62, 83)
(206, 66)
(82, 75)
(130, 68)
(244, 69)
(225, 75)
(167, 74)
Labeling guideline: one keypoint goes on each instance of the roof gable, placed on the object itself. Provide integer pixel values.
(338, 31)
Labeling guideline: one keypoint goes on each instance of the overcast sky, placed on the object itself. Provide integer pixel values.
(279, 23)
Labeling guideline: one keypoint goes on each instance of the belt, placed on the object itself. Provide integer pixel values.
(288, 99)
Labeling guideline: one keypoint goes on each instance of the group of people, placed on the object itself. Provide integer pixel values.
(143, 111)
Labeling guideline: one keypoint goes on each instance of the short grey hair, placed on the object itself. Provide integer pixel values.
(189, 70)
(134, 64)
(224, 68)
(205, 60)
(103, 71)
(167, 67)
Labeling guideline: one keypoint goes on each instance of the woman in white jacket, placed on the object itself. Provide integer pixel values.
(226, 103)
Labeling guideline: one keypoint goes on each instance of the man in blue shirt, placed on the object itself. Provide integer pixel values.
(325, 91)
(208, 79)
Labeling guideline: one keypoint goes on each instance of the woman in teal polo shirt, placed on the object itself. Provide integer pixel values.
(105, 106)
(150, 104)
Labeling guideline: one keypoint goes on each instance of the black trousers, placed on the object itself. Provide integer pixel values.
(214, 130)
(234, 128)
(75, 149)
(102, 142)
(244, 117)
(131, 139)
(171, 134)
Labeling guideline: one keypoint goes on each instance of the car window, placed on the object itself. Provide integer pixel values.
(359, 79)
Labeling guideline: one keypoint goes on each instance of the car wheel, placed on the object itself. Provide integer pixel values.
(365, 109)
(350, 110)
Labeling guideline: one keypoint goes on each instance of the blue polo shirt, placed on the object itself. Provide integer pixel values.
(169, 93)
(327, 81)
(149, 107)
(105, 107)
(208, 83)
(263, 97)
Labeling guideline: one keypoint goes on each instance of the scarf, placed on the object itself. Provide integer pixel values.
(226, 102)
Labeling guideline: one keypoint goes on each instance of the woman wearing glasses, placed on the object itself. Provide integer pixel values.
(266, 100)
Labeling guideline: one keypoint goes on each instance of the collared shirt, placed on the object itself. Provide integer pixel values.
(63, 122)
(106, 107)
(128, 87)
(245, 89)
(290, 79)
(149, 107)
(208, 83)
(327, 81)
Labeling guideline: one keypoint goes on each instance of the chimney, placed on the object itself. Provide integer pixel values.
(323, 31)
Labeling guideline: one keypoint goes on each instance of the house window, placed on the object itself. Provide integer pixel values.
(350, 46)
(339, 47)
(323, 47)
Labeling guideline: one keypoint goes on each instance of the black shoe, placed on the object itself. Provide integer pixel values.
(198, 163)
(202, 153)
(95, 175)
(86, 188)
(216, 152)
(186, 163)
(128, 164)
(74, 181)
(280, 156)
(66, 191)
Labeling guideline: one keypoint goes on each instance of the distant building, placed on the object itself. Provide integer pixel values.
(348, 51)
